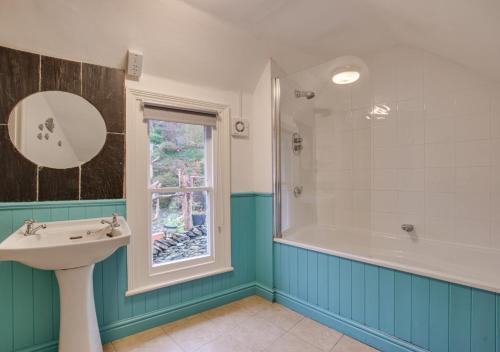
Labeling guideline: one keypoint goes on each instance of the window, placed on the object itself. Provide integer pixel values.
(180, 191)
(177, 190)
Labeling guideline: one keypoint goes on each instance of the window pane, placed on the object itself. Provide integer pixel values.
(179, 226)
(177, 154)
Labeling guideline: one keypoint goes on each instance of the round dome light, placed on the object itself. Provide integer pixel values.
(346, 75)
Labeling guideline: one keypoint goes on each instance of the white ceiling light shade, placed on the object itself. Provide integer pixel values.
(346, 75)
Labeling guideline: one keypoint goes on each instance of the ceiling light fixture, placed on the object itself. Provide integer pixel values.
(346, 75)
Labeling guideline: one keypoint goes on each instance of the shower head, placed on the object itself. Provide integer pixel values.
(304, 94)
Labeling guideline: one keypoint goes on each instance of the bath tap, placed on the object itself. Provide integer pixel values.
(29, 227)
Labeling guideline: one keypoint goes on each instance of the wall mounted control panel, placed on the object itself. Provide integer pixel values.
(134, 65)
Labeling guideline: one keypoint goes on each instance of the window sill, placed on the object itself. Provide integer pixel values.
(149, 288)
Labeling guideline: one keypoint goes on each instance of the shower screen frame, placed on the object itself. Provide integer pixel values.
(276, 119)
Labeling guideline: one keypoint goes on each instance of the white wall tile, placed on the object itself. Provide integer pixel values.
(495, 179)
(411, 179)
(472, 179)
(440, 179)
(472, 206)
(495, 152)
(385, 179)
(476, 233)
(476, 153)
(361, 178)
(411, 129)
(440, 155)
(386, 157)
(439, 205)
(411, 156)
(468, 128)
(411, 202)
(439, 229)
(385, 132)
(440, 130)
(385, 201)
(385, 222)
(362, 200)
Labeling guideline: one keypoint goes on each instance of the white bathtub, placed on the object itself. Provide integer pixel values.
(466, 265)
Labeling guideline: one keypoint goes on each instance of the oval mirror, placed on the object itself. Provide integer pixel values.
(57, 129)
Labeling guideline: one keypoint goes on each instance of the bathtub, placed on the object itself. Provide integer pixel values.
(395, 293)
(466, 265)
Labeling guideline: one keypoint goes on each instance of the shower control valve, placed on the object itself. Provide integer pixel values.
(297, 143)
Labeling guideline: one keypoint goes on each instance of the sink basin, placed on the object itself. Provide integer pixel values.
(71, 248)
(65, 244)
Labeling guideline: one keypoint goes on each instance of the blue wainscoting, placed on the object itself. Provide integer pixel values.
(264, 244)
(388, 309)
(29, 298)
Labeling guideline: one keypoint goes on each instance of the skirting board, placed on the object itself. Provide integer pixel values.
(264, 292)
(162, 316)
(351, 328)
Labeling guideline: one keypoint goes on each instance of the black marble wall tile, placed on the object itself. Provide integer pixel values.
(18, 175)
(19, 77)
(103, 176)
(104, 87)
(58, 184)
(59, 74)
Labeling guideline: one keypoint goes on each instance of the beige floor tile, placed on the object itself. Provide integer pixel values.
(193, 332)
(225, 343)
(227, 316)
(256, 333)
(316, 334)
(108, 347)
(254, 304)
(347, 344)
(153, 340)
(249, 325)
(280, 316)
(291, 343)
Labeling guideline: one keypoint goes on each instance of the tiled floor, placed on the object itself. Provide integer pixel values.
(251, 324)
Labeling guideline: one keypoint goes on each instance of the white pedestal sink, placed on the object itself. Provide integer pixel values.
(71, 248)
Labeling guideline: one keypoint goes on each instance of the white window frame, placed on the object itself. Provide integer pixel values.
(142, 275)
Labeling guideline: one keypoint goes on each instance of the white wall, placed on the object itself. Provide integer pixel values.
(241, 148)
(261, 131)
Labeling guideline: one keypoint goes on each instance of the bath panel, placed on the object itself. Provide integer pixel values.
(386, 308)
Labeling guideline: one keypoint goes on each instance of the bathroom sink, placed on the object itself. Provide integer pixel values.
(66, 244)
(71, 248)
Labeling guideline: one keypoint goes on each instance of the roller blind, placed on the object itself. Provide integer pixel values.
(165, 113)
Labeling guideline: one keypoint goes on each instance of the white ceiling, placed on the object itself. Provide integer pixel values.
(225, 43)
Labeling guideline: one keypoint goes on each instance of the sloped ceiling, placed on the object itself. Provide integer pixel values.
(225, 43)
(465, 31)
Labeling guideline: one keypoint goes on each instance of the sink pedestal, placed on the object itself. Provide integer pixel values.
(79, 331)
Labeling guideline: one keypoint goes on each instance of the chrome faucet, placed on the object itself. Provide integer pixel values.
(113, 223)
(30, 230)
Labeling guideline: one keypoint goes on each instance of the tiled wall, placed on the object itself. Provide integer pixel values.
(22, 74)
(432, 161)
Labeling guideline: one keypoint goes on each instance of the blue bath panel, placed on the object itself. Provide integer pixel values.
(389, 309)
